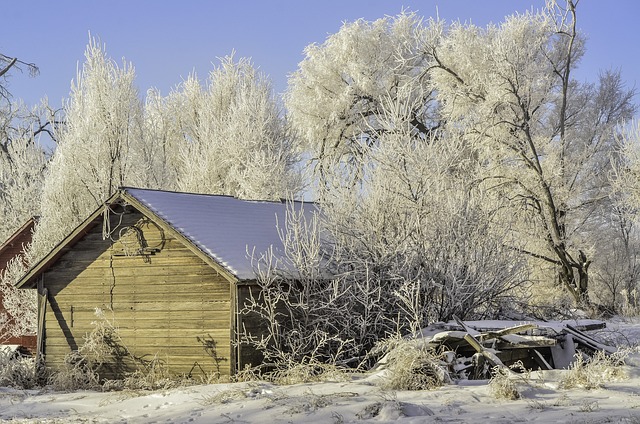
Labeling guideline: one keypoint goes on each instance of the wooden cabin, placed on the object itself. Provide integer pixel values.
(170, 270)
(10, 249)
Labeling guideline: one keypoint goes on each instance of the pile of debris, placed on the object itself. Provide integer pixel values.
(474, 348)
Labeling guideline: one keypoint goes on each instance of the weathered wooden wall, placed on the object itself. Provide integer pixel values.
(161, 302)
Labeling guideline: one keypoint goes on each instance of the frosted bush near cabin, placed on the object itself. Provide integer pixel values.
(16, 371)
(20, 306)
(411, 365)
(596, 371)
(415, 243)
(355, 281)
(297, 303)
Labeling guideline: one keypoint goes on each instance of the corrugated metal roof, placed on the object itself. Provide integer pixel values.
(227, 229)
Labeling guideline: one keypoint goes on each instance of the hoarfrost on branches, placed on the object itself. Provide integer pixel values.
(335, 97)
(543, 138)
(98, 147)
(234, 139)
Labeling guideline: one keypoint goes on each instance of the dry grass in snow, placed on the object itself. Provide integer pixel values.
(603, 390)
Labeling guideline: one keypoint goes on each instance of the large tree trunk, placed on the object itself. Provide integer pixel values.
(574, 276)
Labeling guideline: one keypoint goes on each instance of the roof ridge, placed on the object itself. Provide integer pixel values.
(280, 201)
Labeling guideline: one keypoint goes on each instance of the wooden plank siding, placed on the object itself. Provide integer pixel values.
(159, 294)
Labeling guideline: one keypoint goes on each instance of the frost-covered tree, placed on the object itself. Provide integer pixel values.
(624, 280)
(162, 141)
(413, 244)
(234, 138)
(22, 159)
(543, 138)
(98, 147)
(22, 167)
(335, 99)
(626, 175)
(7, 64)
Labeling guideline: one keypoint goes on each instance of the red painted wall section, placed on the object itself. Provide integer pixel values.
(12, 247)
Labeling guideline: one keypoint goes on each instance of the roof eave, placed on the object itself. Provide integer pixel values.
(29, 279)
(27, 225)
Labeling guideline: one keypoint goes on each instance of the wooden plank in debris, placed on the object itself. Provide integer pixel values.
(524, 342)
(474, 343)
(494, 334)
(588, 341)
(465, 327)
(543, 326)
(503, 335)
(541, 361)
(510, 330)
(490, 356)
(587, 325)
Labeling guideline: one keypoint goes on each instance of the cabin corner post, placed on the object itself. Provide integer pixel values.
(234, 364)
(42, 294)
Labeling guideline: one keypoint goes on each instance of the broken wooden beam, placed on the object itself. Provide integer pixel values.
(589, 341)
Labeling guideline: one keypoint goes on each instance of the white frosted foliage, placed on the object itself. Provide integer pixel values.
(98, 147)
(235, 141)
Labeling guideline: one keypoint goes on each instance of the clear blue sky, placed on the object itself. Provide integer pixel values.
(166, 40)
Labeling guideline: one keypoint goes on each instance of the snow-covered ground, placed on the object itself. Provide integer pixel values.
(357, 400)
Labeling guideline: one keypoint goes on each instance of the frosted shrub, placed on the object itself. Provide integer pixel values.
(594, 372)
(104, 352)
(152, 375)
(412, 366)
(356, 281)
(505, 382)
(103, 347)
(305, 320)
(630, 303)
(81, 367)
(76, 373)
(17, 371)
(502, 386)
(308, 373)
(19, 306)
